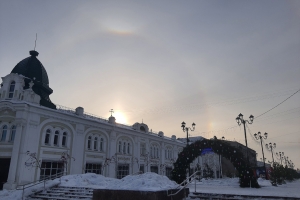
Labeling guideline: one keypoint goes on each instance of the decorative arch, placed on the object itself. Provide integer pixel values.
(96, 140)
(155, 150)
(231, 153)
(56, 133)
(125, 145)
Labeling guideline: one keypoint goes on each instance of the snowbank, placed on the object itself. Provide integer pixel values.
(146, 182)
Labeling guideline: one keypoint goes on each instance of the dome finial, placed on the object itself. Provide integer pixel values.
(33, 53)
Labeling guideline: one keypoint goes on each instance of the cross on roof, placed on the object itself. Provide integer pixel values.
(111, 112)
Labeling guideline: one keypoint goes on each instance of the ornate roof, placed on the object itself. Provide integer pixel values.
(34, 71)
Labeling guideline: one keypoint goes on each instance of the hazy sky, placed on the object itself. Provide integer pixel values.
(165, 62)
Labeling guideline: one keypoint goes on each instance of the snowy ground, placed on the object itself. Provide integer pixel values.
(231, 186)
(154, 182)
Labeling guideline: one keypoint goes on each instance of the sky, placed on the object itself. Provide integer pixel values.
(165, 62)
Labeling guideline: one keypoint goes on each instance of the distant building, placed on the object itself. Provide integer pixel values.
(29, 121)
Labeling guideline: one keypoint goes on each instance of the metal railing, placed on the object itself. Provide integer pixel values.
(184, 184)
(31, 184)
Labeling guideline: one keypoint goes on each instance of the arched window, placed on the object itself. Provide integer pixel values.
(11, 89)
(128, 148)
(56, 137)
(12, 134)
(124, 147)
(96, 144)
(4, 131)
(101, 144)
(143, 149)
(142, 129)
(120, 147)
(166, 154)
(89, 142)
(47, 136)
(64, 139)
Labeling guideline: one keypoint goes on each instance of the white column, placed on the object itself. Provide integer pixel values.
(11, 180)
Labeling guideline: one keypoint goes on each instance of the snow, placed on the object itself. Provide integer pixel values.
(231, 186)
(154, 182)
(144, 182)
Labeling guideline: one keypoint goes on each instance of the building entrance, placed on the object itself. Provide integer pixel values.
(4, 168)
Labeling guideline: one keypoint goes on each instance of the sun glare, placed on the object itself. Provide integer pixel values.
(120, 118)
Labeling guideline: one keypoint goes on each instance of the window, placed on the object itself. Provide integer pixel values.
(124, 147)
(96, 144)
(123, 170)
(11, 89)
(128, 148)
(64, 139)
(120, 147)
(12, 134)
(93, 168)
(4, 131)
(143, 149)
(169, 172)
(142, 129)
(168, 153)
(154, 169)
(56, 137)
(49, 168)
(154, 151)
(47, 137)
(142, 169)
(101, 144)
(89, 142)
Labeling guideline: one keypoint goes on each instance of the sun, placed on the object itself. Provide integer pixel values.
(120, 117)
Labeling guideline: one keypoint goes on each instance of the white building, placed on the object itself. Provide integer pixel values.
(29, 121)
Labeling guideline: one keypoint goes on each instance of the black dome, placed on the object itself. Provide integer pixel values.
(32, 68)
(34, 71)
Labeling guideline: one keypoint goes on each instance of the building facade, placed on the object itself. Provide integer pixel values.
(39, 138)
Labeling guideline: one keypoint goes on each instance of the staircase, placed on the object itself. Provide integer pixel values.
(63, 193)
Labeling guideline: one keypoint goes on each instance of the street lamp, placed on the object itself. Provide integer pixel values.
(286, 160)
(239, 119)
(258, 136)
(270, 147)
(280, 156)
(221, 172)
(186, 129)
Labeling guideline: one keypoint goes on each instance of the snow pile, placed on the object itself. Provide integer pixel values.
(146, 182)
(88, 180)
(264, 182)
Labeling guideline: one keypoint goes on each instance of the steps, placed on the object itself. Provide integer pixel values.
(63, 193)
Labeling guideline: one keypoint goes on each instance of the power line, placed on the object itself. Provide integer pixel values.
(277, 104)
(284, 135)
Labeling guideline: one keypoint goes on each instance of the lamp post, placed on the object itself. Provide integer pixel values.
(221, 173)
(291, 164)
(280, 155)
(286, 160)
(270, 147)
(186, 129)
(240, 120)
(258, 136)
